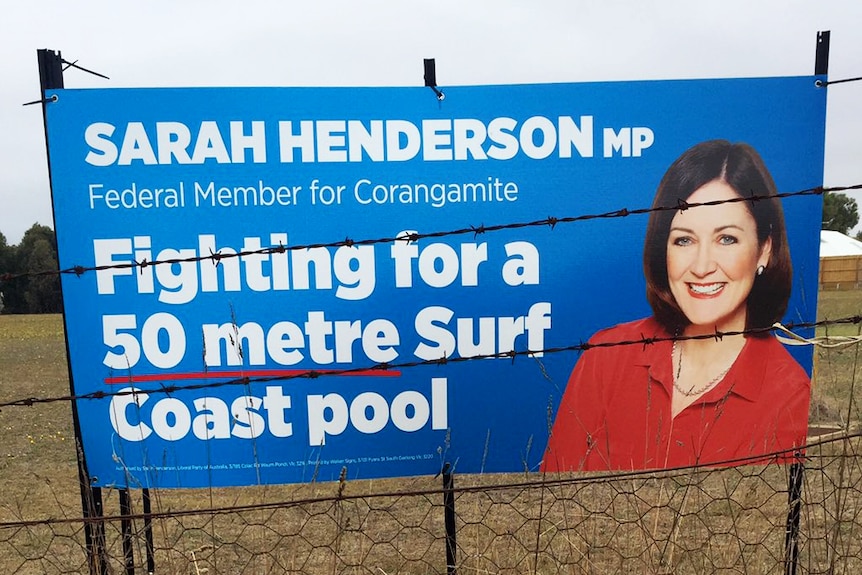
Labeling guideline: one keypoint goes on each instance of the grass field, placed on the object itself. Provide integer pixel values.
(37, 452)
(834, 394)
(696, 523)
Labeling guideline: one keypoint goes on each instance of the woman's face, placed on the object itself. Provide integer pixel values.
(712, 258)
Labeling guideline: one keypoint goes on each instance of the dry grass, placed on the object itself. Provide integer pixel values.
(731, 520)
(833, 394)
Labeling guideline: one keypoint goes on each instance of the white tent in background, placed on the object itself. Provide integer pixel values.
(835, 244)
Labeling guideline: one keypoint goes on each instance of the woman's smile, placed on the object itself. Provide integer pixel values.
(705, 290)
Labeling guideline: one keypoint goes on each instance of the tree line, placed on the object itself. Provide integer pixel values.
(840, 213)
(37, 252)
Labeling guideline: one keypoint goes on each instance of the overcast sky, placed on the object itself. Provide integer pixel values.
(169, 43)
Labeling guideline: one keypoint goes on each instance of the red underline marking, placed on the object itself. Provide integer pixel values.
(241, 374)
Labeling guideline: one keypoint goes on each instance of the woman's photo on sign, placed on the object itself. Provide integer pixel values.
(716, 261)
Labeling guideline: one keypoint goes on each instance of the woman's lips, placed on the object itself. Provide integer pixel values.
(705, 290)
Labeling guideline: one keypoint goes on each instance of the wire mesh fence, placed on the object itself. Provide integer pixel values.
(685, 521)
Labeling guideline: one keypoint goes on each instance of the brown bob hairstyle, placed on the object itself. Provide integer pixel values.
(741, 167)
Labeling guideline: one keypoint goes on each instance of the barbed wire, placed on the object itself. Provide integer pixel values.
(550, 222)
(385, 367)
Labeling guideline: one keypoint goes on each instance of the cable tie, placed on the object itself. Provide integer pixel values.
(75, 65)
(53, 98)
(824, 83)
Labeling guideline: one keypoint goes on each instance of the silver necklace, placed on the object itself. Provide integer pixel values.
(691, 391)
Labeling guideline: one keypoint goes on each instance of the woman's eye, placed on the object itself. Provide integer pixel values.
(682, 241)
(727, 240)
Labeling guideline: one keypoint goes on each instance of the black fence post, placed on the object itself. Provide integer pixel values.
(449, 518)
(51, 78)
(96, 550)
(821, 61)
(794, 486)
(791, 534)
(126, 529)
(148, 532)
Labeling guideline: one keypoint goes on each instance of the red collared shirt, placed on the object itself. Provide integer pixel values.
(616, 411)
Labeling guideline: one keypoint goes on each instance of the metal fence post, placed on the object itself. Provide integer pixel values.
(148, 531)
(449, 517)
(791, 534)
(126, 529)
(51, 78)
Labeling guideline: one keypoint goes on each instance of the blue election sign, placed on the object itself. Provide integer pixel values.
(263, 202)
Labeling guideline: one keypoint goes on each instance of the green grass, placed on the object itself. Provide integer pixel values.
(37, 451)
(838, 304)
